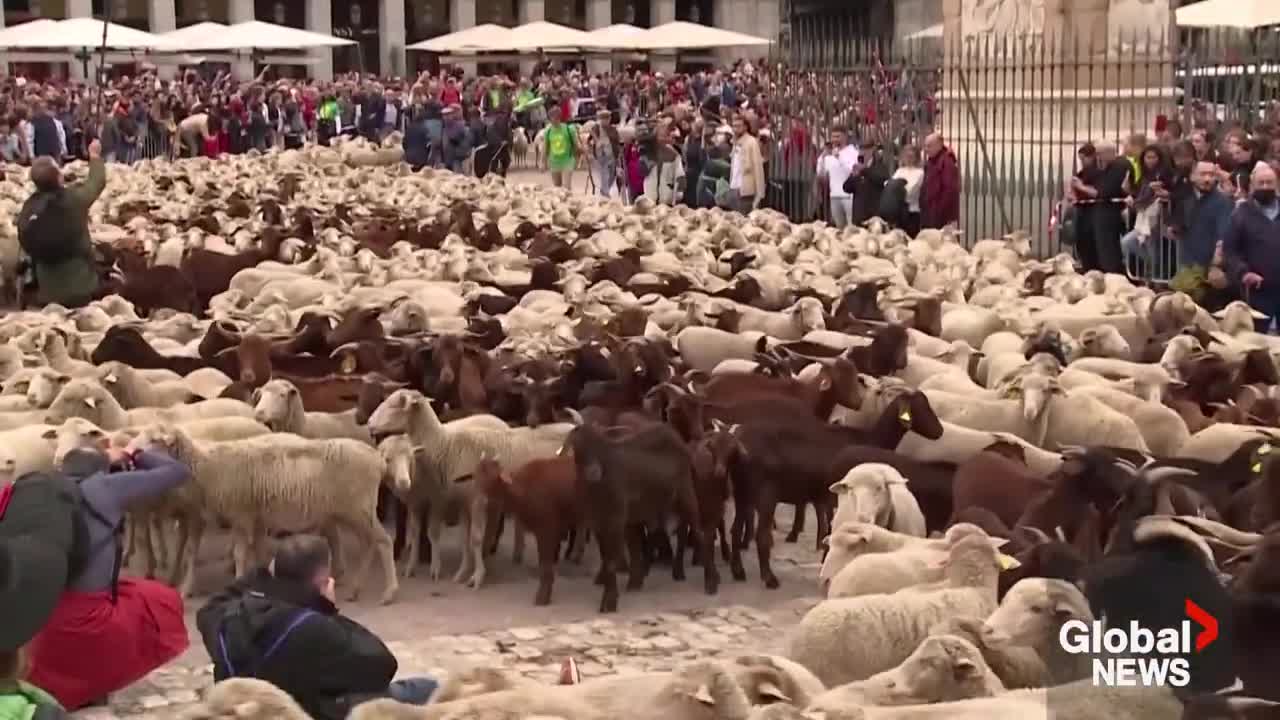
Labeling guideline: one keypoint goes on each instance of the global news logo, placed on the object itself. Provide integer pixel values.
(1136, 656)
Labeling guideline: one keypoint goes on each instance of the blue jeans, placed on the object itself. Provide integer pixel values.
(413, 691)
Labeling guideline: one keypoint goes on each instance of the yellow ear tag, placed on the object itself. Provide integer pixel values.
(1256, 468)
(348, 364)
(905, 417)
(1264, 449)
(1008, 562)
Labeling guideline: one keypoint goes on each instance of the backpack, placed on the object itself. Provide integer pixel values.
(82, 550)
(45, 228)
(893, 201)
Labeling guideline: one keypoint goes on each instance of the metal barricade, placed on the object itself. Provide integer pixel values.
(1151, 251)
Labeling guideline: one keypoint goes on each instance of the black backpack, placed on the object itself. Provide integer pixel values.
(46, 228)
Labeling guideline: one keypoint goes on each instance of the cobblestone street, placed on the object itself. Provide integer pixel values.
(436, 626)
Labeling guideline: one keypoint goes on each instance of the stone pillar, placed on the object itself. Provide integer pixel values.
(599, 15)
(76, 9)
(4, 57)
(239, 11)
(320, 19)
(1002, 110)
(662, 12)
(527, 12)
(912, 16)
(391, 37)
(462, 16)
(162, 16)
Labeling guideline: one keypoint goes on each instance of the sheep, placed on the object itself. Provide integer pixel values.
(245, 699)
(43, 385)
(1103, 341)
(773, 678)
(1163, 430)
(1031, 614)
(281, 482)
(456, 451)
(875, 492)
(278, 405)
(854, 539)
(889, 627)
(1081, 700)
(703, 348)
(89, 400)
(1016, 666)
(915, 565)
(943, 668)
(1218, 441)
(699, 691)
(132, 391)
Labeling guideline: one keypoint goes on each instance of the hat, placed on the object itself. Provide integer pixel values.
(37, 533)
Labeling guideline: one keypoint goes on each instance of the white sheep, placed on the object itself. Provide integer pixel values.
(1163, 429)
(132, 390)
(1217, 442)
(1031, 615)
(888, 627)
(703, 348)
(943, 668)
(1081, 700)
(89, 400)
(917, 564)
(455, 452)
(278, 405)
(43, 385)
(850, 540)
(281, 482)
(877, 493)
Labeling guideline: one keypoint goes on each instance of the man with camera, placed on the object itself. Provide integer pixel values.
(664, 166)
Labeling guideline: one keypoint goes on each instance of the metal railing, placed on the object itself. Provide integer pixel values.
(1013, 109)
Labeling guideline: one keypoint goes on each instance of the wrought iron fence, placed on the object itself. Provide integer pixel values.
(1014, 110)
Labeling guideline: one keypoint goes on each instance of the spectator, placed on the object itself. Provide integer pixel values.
(695, 158)
(53, 230)
(604, 147)
(10, 146)
(1114, 181)
(194, 132)
(281, 624)
(1238, 160)
(664, 182)
(1083, 195)
(1203, 220)
(1252, 244)
(327, 120)
(455, 139)
(1133, 148)
(1157, 176)
(416, 142)
(839, 160)
(450, 94)
(137, 623)
(562, 149)
(1204, 148)
(746, 168)
(794, 165)
(46, 136)
(912, 175)
(495, 155)
(940, 193)
(867, 186)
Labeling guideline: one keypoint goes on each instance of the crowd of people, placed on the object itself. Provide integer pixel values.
(1199, 211)
(735, 137)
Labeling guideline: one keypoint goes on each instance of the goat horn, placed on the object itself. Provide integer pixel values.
(1222, 531)
(1126, 466)
(577, 416)
(344, 346)
(1036, 534)
(1165, 473)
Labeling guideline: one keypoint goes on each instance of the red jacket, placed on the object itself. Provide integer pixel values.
(940, 193)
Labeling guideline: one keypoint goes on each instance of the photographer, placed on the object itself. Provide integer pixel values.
(136, 623)
(664, 181)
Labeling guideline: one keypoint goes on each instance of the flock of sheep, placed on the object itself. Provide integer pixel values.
(330, 341)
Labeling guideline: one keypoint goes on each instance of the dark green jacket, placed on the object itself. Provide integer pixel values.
(73, 283)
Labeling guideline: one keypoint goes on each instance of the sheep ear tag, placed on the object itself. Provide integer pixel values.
(904, 417)
(1008, 562)
(91, 402)
(348, 364)
(703, 695)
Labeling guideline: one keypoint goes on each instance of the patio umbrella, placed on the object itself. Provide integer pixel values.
(681, 35)
(480, 37)
(542, 35)
(614, 36)
(933, 31)
(257, 34)
(1248, 14)
(78, 33)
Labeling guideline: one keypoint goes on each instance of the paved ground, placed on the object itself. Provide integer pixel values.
(441, 625)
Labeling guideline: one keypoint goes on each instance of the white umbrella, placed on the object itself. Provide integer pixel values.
(543, 34)
(257, 34)
(14, 32)
(681, 35)
(1230, 13)
(933, 31)
(614, 36)
(479, 37)
(79, 33)
(192, 35)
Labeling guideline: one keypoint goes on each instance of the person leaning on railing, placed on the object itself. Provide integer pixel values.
(1202, 218)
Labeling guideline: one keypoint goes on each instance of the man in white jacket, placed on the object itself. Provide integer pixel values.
(838, 162)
